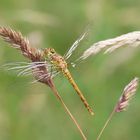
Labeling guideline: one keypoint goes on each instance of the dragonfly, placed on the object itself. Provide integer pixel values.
(55, 64)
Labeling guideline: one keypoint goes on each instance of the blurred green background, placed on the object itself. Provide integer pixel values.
(31, 111)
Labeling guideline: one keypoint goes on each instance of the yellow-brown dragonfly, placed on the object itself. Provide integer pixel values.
(55, 64)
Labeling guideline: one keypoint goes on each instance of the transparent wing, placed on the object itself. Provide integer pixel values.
(46, 76)
(75, 45)
(25, 69)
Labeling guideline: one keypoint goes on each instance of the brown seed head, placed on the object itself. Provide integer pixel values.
(35, 55)
(127, 95)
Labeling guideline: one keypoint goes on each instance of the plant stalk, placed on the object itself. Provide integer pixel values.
(106, 123)
(68, 111)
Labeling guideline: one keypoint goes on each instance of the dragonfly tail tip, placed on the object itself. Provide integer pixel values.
(92, 113)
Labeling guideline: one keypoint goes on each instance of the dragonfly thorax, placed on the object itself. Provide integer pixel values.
(48, 52)
(56, 59)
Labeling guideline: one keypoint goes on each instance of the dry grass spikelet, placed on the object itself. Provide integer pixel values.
(19, 42)
(131, 39)
(128, 93)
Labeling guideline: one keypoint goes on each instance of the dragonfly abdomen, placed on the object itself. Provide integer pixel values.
(71, 80)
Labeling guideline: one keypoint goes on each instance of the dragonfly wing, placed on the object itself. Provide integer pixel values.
(55, 73)
(24, 68)
(45, 76)
(75, 45)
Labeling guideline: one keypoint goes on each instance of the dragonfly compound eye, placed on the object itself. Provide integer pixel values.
(49, 51)
(52, 50)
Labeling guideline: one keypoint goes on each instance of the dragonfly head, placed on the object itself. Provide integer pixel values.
(54, 58)
(48, 52)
